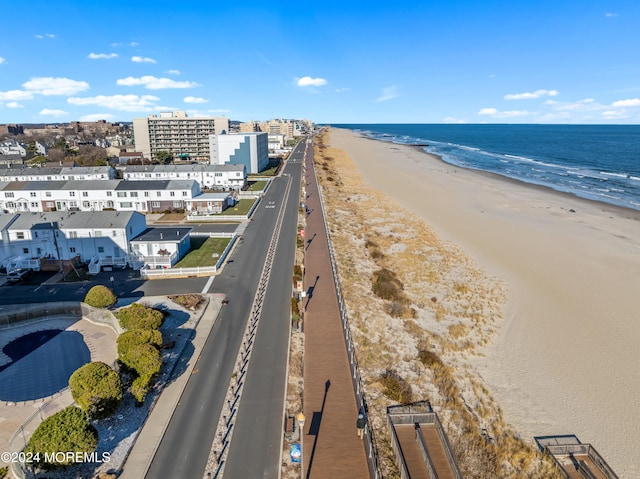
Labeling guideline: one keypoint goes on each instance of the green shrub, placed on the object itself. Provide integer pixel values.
(97, 389)
(144, 359)
(137, 316)
(140, 387)
(135, 337)
(4, 471)
(100, 297)
(66, 431)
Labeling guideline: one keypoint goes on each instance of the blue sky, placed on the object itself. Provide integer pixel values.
(470, 61)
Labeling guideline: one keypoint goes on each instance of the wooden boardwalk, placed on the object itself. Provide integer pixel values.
(411, 451)
(330, 446)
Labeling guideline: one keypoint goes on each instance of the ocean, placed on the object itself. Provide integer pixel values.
(596, 162)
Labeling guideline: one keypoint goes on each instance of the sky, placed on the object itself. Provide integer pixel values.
(429, 61)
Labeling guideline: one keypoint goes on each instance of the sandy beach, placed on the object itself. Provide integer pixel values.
(565, 358)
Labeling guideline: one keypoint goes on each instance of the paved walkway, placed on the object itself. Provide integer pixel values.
(331, 447)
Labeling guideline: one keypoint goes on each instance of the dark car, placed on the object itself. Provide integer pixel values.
(18, 275)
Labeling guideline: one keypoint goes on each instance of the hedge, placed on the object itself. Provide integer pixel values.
(66, 431)
(137, 316)
(97, 389)
(135, 337)
(100, 297)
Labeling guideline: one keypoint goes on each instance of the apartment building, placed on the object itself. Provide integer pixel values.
(62, 173)
(97, 195)
(210, 177)
(248, 149)
(184, 137)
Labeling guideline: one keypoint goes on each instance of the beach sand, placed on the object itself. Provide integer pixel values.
(565, 359)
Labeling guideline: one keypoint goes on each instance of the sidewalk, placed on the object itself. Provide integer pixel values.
(144, 449)
(331, 447)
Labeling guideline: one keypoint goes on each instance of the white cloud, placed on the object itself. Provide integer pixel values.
(13, 95)
(46, 35)
(97, 117)
(193, 99)
(173, 72)
(609, 14)
(118, 102)
(2, 60)
(308, 81)
(530, 95)
(451, 119)
(138, 59)
(628, 102)
(55, 86)
(14, 104)
(153, 83)
(102, 56)
(614, 115)
(341, 90)
(503, 114)
(48, 112)
(388, 93)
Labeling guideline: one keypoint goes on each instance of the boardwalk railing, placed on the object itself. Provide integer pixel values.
(424, 452)
(584, 450)
(370, 445)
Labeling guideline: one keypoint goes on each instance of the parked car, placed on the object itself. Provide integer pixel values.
(18, 275)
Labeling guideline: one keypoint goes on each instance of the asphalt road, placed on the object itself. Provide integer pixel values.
(185, 447)
(257, 438)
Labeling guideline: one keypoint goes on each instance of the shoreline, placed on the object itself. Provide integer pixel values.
(562, 361)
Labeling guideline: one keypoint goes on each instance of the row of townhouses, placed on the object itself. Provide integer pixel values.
(58, 240)
(219, 177)
(146, 196)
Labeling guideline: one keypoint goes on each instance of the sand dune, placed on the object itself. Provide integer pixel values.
(566, 358)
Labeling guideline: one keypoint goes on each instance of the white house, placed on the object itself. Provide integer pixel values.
(209, 203)
(248, 149)
(61, 173)
(12, 147)
(161, 247)
(227, 176)
(52, 238)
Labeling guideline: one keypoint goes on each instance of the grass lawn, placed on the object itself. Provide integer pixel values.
(202, 249)
(241, 208)
(257, 186)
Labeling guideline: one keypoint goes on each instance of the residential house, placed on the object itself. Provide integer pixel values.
(161, 247)
(210, 177)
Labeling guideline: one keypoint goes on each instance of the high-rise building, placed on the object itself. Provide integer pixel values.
(248, 149)
(182, 136)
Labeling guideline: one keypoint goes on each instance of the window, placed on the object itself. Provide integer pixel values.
(72, 193)
(11, 204)
(109, 193)
(97, 233)
(73, 234)
(134, 194)
(100, 249)
(73, 204)
(49, 204)
(155, 204)
(114, 233)
(109, 204)
(86, 204)
(125, 204)
(48, 178)
(8, 195)
(72, 250)
(48, 194)
(177, 204)
(172, 193)
(32, 194)
(158, 193)
(146, 193)
(184, 193)
(35, 235)
(122, 194)
(85, 193)
(25, 250)
(20, 235)
(34, 204)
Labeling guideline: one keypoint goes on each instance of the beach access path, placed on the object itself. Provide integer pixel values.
(330, 444)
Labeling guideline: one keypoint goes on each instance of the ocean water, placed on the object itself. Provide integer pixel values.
(596, 162)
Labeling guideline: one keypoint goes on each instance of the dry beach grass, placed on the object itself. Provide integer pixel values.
(419, 308)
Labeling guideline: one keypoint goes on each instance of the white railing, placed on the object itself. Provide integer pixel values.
(177, 272)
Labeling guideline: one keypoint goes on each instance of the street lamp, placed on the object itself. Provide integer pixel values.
(300, 418)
